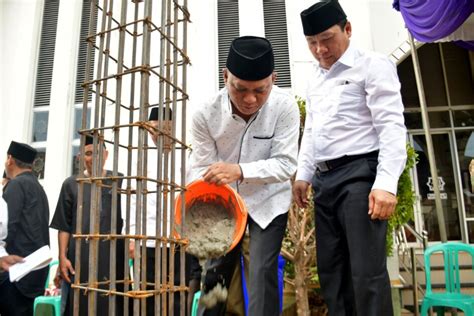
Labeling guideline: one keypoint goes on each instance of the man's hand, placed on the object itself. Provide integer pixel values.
(65, 267)
(221, 173)
(7, 261)
(57, 280)
(194, 286)
(381, 204)
(300, 193)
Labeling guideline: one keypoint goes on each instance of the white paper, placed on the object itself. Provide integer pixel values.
(3, 226)
(37, 260)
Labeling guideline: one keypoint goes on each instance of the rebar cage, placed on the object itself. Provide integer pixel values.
(136, 60)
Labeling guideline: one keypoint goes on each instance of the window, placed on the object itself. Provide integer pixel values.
(227, 30)
(274, 16)
(44, 75)
(76, 137)
(80, 78)
(82, 55)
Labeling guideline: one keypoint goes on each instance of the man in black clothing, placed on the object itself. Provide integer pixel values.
(28, 217)
(64, 220)
(5, 180)
(153, 211)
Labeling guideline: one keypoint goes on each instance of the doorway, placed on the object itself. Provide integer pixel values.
(456, 191)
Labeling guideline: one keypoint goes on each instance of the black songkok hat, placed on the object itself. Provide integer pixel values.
(321, 16)
(90, 140)
(250, 58)
(167, 114)
(23, 152)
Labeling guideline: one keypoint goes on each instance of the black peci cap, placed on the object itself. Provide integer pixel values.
(90, 141)
(250, 58)
(23, 152)
(167, 114)
(321, 16)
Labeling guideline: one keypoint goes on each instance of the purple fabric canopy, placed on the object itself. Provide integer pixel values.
(431, 20)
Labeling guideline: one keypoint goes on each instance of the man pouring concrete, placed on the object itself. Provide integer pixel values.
(247, 136)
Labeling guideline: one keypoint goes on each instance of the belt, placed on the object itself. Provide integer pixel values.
(334, 163)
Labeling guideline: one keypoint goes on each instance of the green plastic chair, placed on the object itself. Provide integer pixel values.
(452, 296)
(195, 307)
(55, 301)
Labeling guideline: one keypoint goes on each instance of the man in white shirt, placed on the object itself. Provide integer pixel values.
(247, 136)
(154, 209)
(352, 151)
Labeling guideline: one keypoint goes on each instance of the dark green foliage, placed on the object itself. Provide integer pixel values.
(406, 199)
(302, 106)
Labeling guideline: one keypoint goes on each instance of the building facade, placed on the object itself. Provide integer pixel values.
(43, 62)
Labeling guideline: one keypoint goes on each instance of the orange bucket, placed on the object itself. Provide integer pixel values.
(204, 191)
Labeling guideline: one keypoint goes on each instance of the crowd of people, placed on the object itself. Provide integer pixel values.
(351, 154)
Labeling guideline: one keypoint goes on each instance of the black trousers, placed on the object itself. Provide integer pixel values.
(350, 246)
(265, 246)
(220, 270)
(192, 271)
(13, 302)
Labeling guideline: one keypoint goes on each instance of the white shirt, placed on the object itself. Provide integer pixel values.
(151, 205)
(265, 147)
(3, 226)
(355, 108)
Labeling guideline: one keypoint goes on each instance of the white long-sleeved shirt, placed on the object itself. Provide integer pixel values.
(151, 204)
(3, 226)
(353, 108)
(265, 147)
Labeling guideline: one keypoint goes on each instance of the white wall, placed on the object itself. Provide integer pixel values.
(251, 18)
(202, 42)
(387, 26)
(20, 26)
(58, 144)
(301, 60)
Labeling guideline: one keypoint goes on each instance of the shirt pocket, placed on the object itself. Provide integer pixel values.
(261, 146)
(351, 94)
(263, 136)
(326, 103)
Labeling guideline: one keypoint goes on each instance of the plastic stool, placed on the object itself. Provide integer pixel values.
(55, 301)
(194, 309)
(49, 300)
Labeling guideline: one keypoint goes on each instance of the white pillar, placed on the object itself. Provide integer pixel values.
(58, 146)
(20, 29)
(251, 18)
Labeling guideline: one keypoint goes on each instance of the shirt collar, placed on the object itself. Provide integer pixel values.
(226, 100)
(348, 59)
